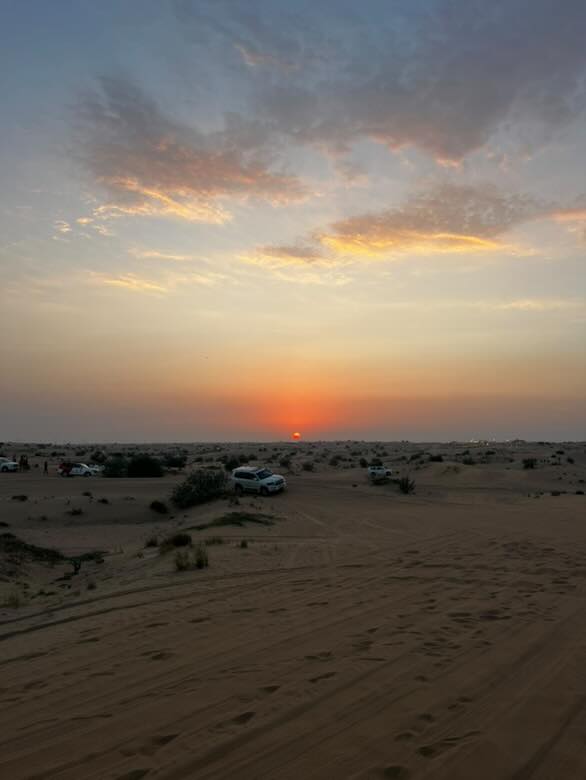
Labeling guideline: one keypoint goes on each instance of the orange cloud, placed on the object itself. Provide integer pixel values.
(152, 166)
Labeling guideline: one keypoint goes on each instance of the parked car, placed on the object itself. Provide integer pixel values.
(76, 470)
(379, 473)
(257, 480)
(8, 465)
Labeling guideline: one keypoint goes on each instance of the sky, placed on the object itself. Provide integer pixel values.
(235, 219)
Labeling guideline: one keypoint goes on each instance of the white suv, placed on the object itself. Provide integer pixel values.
(8, 465)
(260, 481)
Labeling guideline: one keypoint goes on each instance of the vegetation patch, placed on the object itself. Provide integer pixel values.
(200, 486)
(159, 506)
(175, 540)
(238, 519)
(194, 558)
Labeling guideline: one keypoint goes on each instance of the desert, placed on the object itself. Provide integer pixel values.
(340, 629)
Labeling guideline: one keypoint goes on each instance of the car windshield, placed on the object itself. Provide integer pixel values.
(264, 473)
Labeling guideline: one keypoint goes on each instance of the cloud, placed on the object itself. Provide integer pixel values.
(128, 282)
(168, 282)
(152, 166)
(153, 254)
(447, 218)
(440, 75)
(279, 256)
(533, 305)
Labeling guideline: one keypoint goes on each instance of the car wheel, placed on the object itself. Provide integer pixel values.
(264, 491)
(87, 473)
(239, 490)
(4, 470)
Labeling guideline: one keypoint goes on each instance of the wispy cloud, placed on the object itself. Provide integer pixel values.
(128, 281)
(443, 76)
(280, 256)
(153, 166)
(445, 219)
(153, 254)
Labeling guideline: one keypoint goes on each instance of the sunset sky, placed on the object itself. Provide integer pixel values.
(236, 219)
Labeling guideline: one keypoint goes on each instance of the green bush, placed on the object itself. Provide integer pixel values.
(201, 559)
(174, 461)
(175, 540)
(199, 487)
(185, 560)
(116, 467)
(159, 506)
(406, 485)
(529, 463)
(144, 466)
(182, 560)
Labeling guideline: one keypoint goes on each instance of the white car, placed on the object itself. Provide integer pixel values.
(8, 465)
(76, 470)
(252, 480)
(379, 473)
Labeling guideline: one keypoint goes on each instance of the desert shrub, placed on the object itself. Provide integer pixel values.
(152, 541)
(415, 456)
(579, 492)
(75, 512)
(159, 506)
(142, 466)
(199, 487)
(468, 461)
(182, 560)
(238, 519)
(20, 497)
(377, 462)
(529, 463)
(243, 544)
(174, 461)
(179, 539)
(116, 467)
(231, 462)
(406, 485)
(570, 460)
(213, 540)
(99, 457)
(285, 463)
(363, 463)
(308, 466)
(91, 585)
(200, 557)
(334, 460)
(14, 599)
(87, 493)
(436, 458)
(103, 501)
(556, 492)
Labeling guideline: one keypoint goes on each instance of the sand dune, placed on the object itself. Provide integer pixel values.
(365, 634)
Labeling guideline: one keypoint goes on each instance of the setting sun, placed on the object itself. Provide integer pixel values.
(296, 436)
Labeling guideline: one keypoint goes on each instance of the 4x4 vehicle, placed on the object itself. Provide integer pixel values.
(260, 480)
(8, 465)
(76, 470)
(379, 473)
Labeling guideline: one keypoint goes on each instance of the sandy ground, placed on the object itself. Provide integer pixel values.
(365, 634)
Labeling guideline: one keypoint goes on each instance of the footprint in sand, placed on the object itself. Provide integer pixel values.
(156, 743)
(243, 718)
(325, 676)
(436, 748)
(270, 688)
(396, 772)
